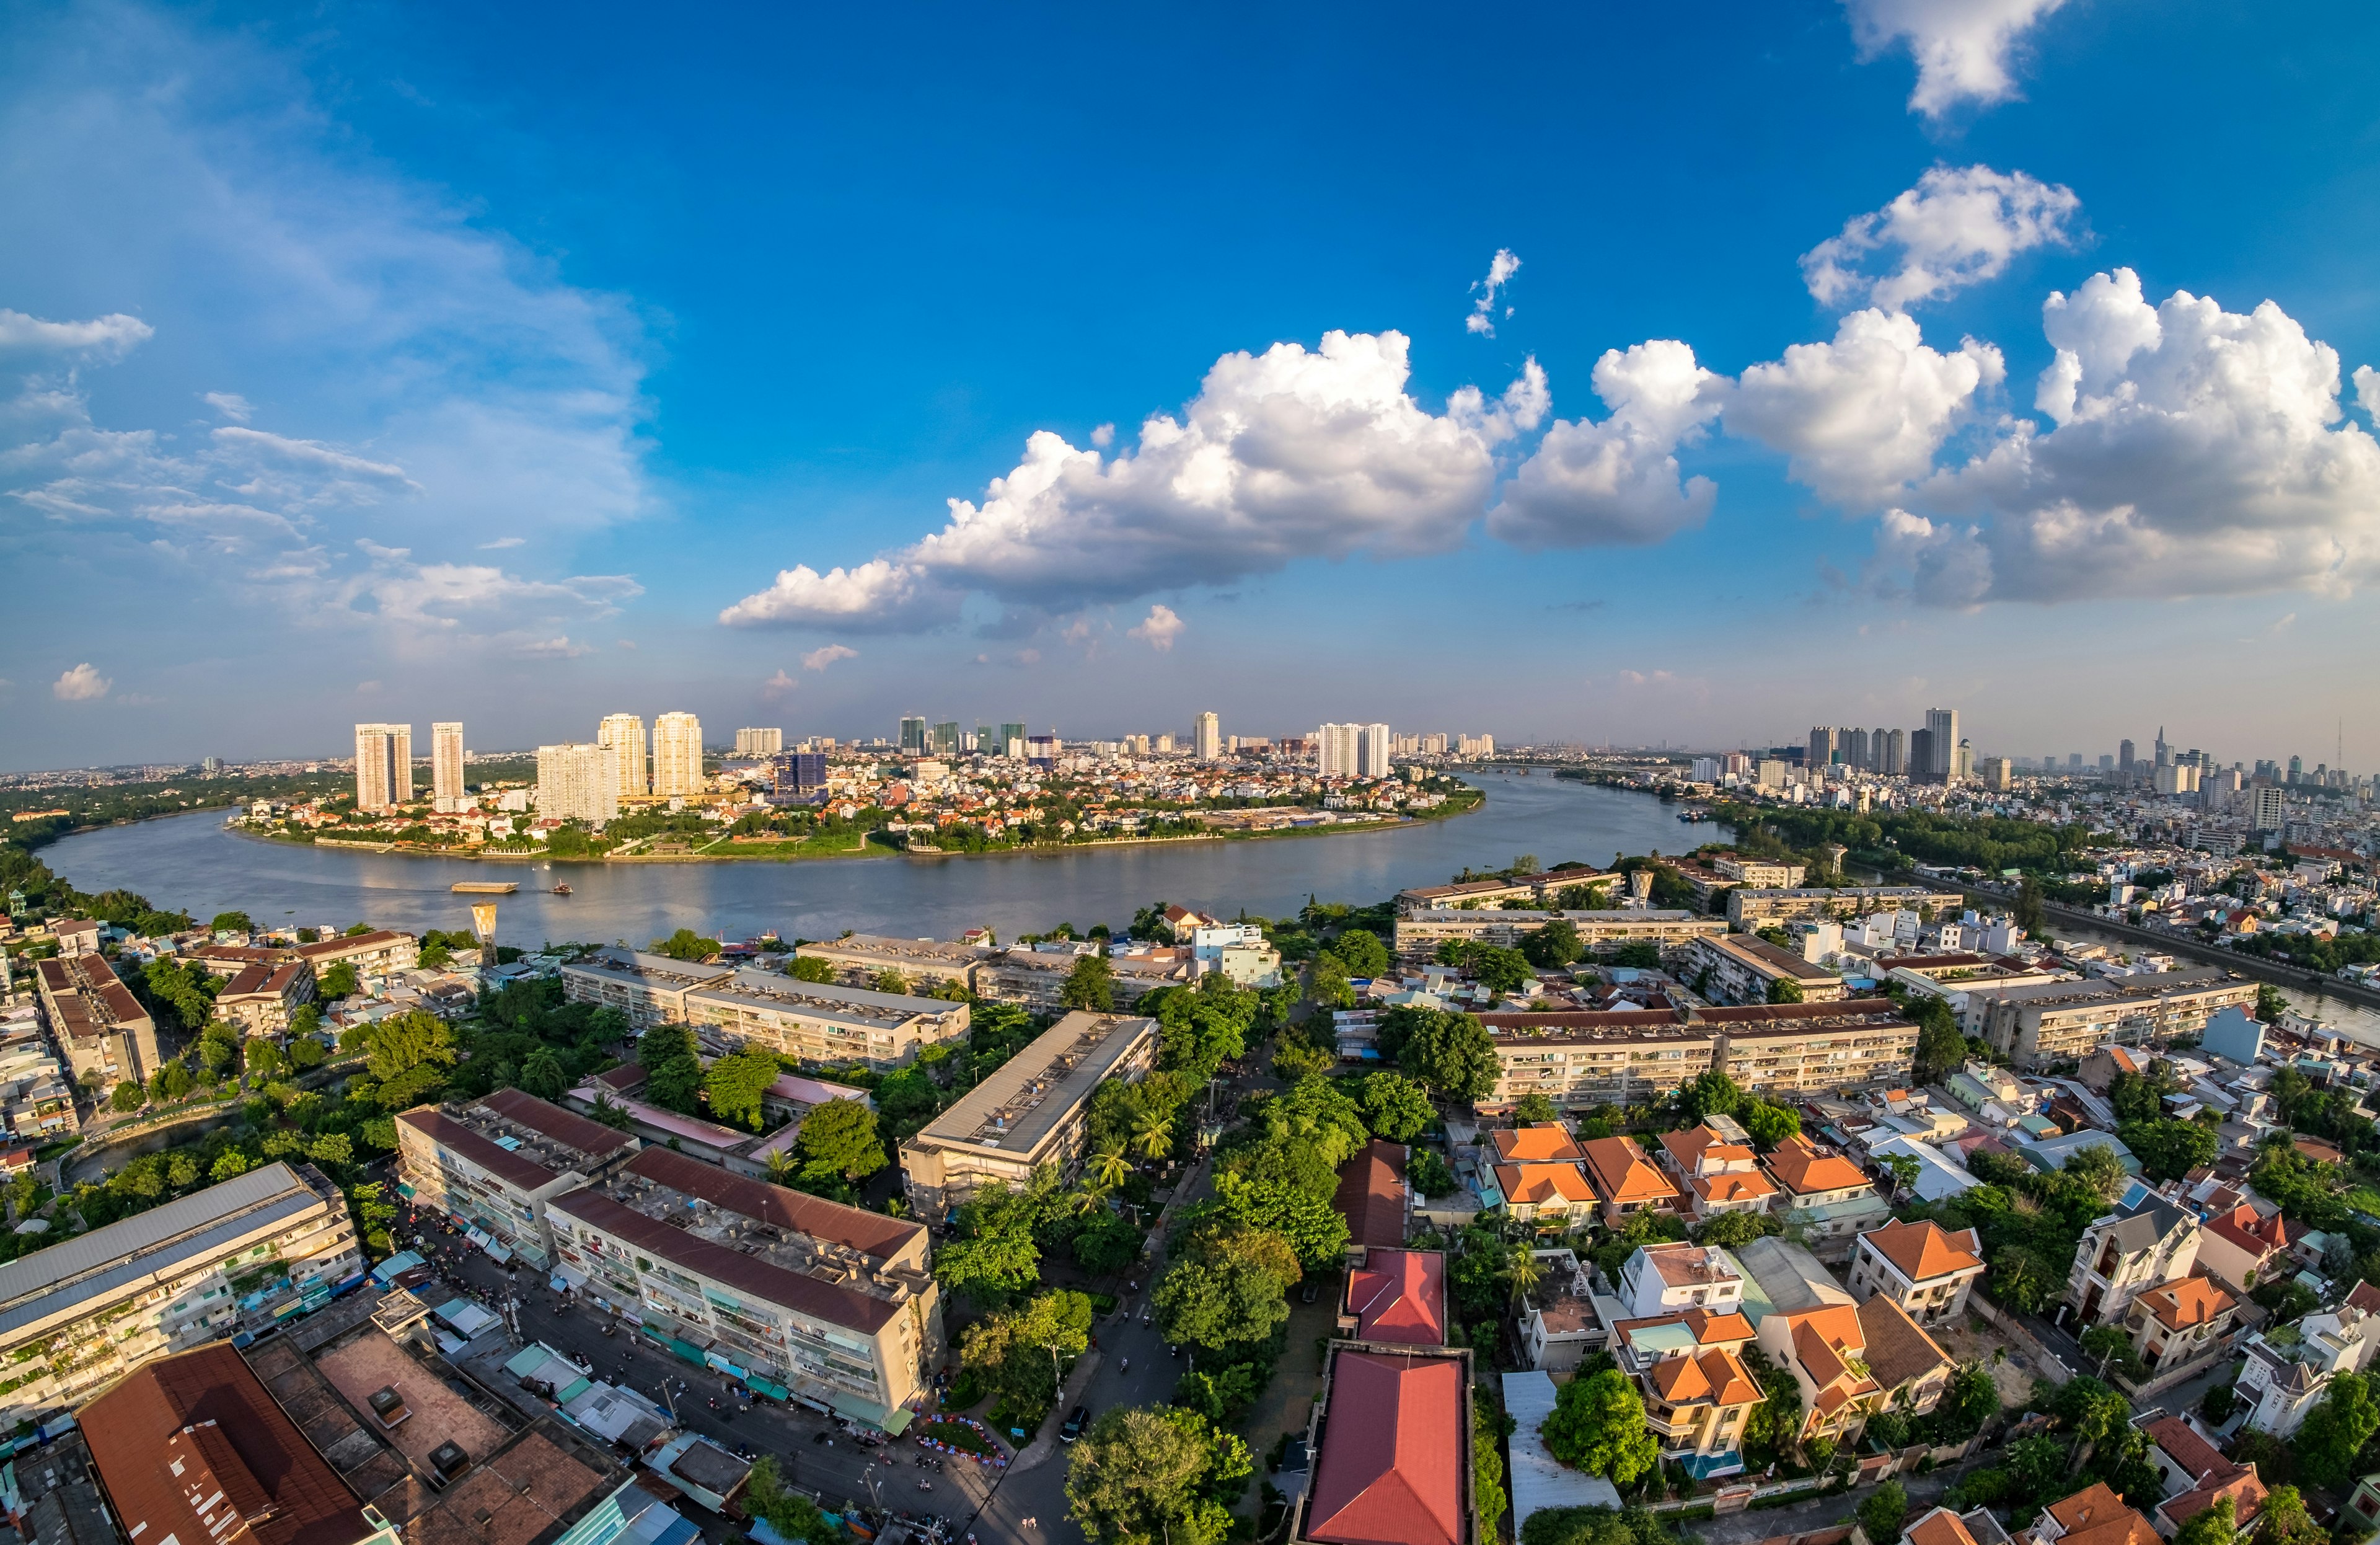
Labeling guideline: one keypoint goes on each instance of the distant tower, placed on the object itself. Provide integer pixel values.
(677, 755)
(623, 736)
(383, 766)
(446, 768)
(1209, 737)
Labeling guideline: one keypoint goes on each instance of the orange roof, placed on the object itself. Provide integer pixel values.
(1713, 1378)
(2240, 1483)
(1540, 1142)
(1940, 1527)
(1709, 1329)
(2192, 1301)
(2095, 1516)
(1721, 1189)
(1536, 1185)
(1690, 1147)
(1622, 1173)
(1399, 1295)
(1925, 1251)
(1825, 1342)
(2245, 1229)
(1802, 1170)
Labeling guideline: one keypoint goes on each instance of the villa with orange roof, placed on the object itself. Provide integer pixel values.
(1828, 1199)
(2180, 1321)
(1397, 1295)
(1697, 1393)
(2195, 1475)
(1924, 1268)
(1540, 1142)
(1626, 1180)
(1826, 1350)
(1551, 1196)
(1720, 1175)
(1939, 1526)
(2094, 1515)
(2242, 1245)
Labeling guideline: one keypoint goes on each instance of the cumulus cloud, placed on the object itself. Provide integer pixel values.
(777, 686)
(1863, 415)
(81, 685)
(1963, 48)
(231, 405)
(476, 600)
(1959, 227)
(1159, 629)
(1285, 455)
(561, 648)
(2192, 451)
(1618, 482)
(109, 338)
(819, 658)
(1500, 269)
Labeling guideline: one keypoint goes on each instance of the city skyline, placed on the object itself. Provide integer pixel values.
(2007, 367)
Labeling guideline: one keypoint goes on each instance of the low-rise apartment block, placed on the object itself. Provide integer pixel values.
(77, 1316)
(825, 1022)
(494, 1166)
(1030, 1110)
(261, 998)
(36, 1096)
(96, 1020)
(924, 964)
(1037, 978)
(1628, 1057)
(649, 989)
(2066, 1021)
(1532, 888)
(1753, 907)
(376, 954)
(1740, 969)
(1419, 934)
(837, 1303)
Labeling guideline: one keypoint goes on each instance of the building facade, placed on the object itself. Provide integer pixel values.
(760, 742)
(922, 964)
(1628, 1057)
(1924, 1268)
(383, 766)
(677, 756)
(574, 782)
(2125, 1254)
(376, 954)
(496, 1165)
(1419, 934)
(649, 989)
(446, 792)
(1740, 969)
(622, 734)
(96, 1020)
(1752, 907)
(825, 1022)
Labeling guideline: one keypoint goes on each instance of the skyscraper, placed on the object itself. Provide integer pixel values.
(1335, 745)
(2164, 751)
(913, 734)
(575, 781)
(677, 755)
(1921, 754)
(383, 766)
(1875, 750)
(760, 742)
(1822, 746)
(1372, 743)
(1892, 760)
(1855, 751)
(1012, 740)
(1944, 766)
(946, 739)
(623, 736)
(1209, 737)
(2124, 758)
(446, 794)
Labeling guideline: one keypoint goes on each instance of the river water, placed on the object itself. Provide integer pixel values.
(193, 863)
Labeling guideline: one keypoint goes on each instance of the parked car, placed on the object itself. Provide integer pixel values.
(1074, 1425)
(1310, 1291)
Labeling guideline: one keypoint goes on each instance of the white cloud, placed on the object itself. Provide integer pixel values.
(1159, 629)
(819, 658)
(231, 405)
(476, 600)
(502, 543)
(777, 686)
(560, 648)
(1863, 415)
(2192, 451)
(1287, 454)
(81, 685)
(1103, 436)
(1618, 482)
(110, 337)
(1500, 269)
(1959, 227)
(1963, 47)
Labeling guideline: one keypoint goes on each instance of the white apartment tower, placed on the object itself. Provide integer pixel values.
(1335, 750)
(383, 766)
(677, 755)
(1354, 750)
(575, 782)
(446, 795)
(623, 736)
(1373, 743)
(760, 742)
(1210, 736)
(1944, 723)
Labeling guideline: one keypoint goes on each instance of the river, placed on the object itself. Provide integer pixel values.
(193, 863)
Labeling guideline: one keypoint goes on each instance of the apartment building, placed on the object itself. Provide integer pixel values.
(677, 756)
(1532, 888)
(1630, 1056)
(1741, 968)
(648, 988)
(1419, 934)
(261, 998)
(2066, 1021)
(36, 1096)
(825, 1022)
(924, 964)
(1028, 1111)
(377, 954)
(80, 1314)
(1752, 907)
(2125, 1254)
(446, 792)
(96, 1020)
(575, 782)
(1924, 1268)
(383, 766)
(495, 1166)
(622, 737)
(836, 1303)
(1037, 978)
(1761, 874)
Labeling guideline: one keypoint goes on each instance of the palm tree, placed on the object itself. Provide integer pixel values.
(1111, 1167)
(1526, 1272)
(780, 1165)
(1154, 1134)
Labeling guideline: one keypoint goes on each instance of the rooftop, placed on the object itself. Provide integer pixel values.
(518, 1138)
(1371, 1194)
(819, 1000)
(943, 952)
(649, 970)
(1022, 1100)
(1394, 1453)
(1540, 1142)
(1399, 1295)
(1623, 1174)
(1924, 1252)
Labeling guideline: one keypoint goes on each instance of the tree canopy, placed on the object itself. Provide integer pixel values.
(1155, 1476)
(1597, 1425)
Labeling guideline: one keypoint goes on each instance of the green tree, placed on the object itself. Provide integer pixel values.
(1499, 971)
(1555, 944)
(1315, 1230)
(307, 1053)
(1395, 1107)
(1882, 1514)
(170, 1082)
(1534, 1107)
(2336, 1430)
(1023, 1352)
(839, 1137)
(1487, 1496)
(1153, 1477)
(2214, 1525)
(2168, 1149)
(1594, 1526)
(266, 1059)
(402, 1043)
(1428, 1174)
(792, 1516)
(1326, 981)
(542, 1074)
(129, 1096)
(809, 968)
(1709, 1093)
(1217, 1302)
(332, 1147)
(893, 982)
(1111, 1167)
(672, 1068)
(1970, 1400)
(1360, 951)
(1090, 985)
(1769, 1124)
(338, 981)
(1105, 1245)
(2098, 1170)
(230, 1164)
(1784, 989)
(687, 944)
(232, 922)
(2284, 1521)
(1734, 1229)
(1453, 1054)
(1597, 1425)
(1940, 1046)
(736, 1084)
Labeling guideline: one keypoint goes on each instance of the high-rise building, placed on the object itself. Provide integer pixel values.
(383, 766)
(798, 773)
(946, 739)
(1944, 766)
(1921, 754)
(760, 742)
(210, 767)
(1372, 743)
(2125, 758)
(2296, 764)
(446, 794)
(1822, 746)
(1011, 739)
(2164, 751)
(1209, 737)
(1335, 744)
(623, 736)
(1997, 773)
(986, 743)
(2267, 808)
(1892, 753)
(913, 734)
(677, 755)
(1855, 753)
(2107, 766)
(577, 781)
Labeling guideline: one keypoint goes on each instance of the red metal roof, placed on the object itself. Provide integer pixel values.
(1399, 1295)
(1371, 1194)
(871, 1233)
(567, 1128)
(1393, 1449)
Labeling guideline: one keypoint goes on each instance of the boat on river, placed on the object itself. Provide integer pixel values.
(562, 889)
(483, 887)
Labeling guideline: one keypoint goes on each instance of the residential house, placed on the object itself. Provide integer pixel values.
(1559, 1324)
(1826, 1198)
(1550, 1196)
(2178, 1322)
(2099, 1069)
(2242, 1245)
(1826, 1350)
(2124, 1254)
(1939, 1526)
(1374, 1198)
(1397, 1295)
(2282, 1383)
(1540, 1142)
(1672, 1278)
(1909, 1367)
(1924, 1268)
(2195, 1475)
(1626, 1180)
(1719, 1170)
(1783, 1278)
(2094, 1515)
(1698, 1394)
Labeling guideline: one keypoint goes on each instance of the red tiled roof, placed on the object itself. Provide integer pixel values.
(2192, 1301)
(1802, 1170)
(2186, 1448)
(567, 1128)
(1713, 1378)
(2095, 1516)
(1624, 1174)
(1536, 1185)
(1399, 1295)
(1371, 1194)
(2245, 1229)
(871, 1233)
(207, 1410)
(1925, 1250)
(1940, 1527)
(1391, 1469)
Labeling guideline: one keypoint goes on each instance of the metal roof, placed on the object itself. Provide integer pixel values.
(1022, 1100)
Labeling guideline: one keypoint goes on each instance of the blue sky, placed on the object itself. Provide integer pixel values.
(521, 364)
